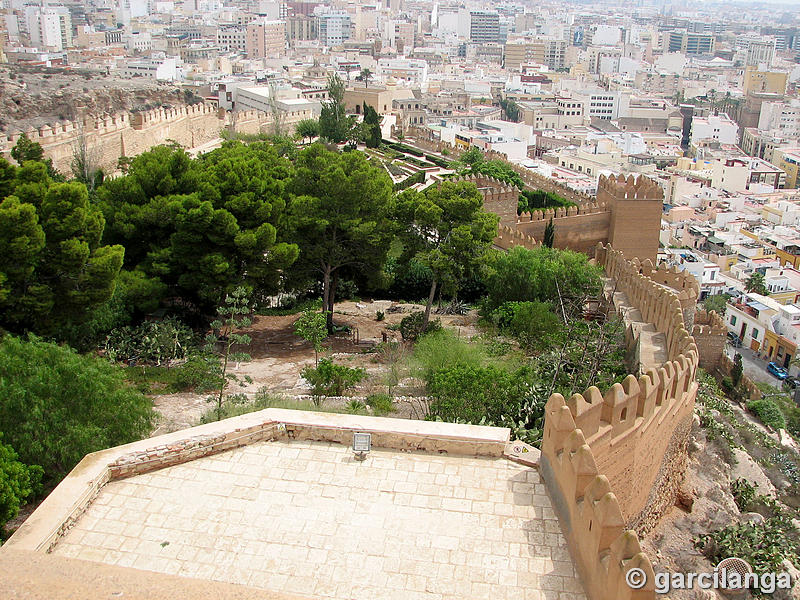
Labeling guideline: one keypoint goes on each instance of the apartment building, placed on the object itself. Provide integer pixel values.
(542, 51)
(484, 26)
(265, 39)
(688, 42)
(334, 28)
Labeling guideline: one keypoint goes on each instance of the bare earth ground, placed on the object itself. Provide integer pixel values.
(278, 355)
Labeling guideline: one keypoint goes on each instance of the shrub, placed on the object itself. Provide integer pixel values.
(764, 546)
(533, 324)
(153, 342)
(198, 374)
(441, 350)
(411, 326)
(18, 482)
(380, 315)
(356, 407)
(381, 404)
(59, 406)
(744, 493)
(767, 412)
(489, 395)
(329, 379)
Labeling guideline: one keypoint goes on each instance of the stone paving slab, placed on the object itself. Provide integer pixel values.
(306, 518)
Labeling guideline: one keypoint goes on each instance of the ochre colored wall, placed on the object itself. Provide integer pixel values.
(109, 138)
(614, 462)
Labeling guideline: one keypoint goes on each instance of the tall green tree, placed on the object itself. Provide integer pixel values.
(448, 231)
(549, 234)
(334, 124)
(340, 218)
(26, 150)
(372, 125)
(204, 226)
(365, 75)
(307, 129)
(54, 271)
(59, 406)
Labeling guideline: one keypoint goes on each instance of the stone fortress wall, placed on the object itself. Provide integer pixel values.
(625, 213)
(128, 134)
(614, 462)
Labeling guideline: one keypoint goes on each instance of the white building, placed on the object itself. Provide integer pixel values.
(781, 117)
(49, 27)
(403, 69)
(165, 69)
(334, 28)
(714, 128)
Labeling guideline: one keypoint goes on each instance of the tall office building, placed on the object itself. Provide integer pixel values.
(334, 28)
(760, 52)
(484, 27)
(688, 42)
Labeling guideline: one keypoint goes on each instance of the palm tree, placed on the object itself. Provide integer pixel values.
(365, 76)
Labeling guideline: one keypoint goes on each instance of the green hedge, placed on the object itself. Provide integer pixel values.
(403, 148)
(439, 162)
(768, 413)
(418, 177)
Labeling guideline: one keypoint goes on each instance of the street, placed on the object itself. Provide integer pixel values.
(755, 368)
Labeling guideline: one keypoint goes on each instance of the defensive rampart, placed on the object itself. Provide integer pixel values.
(107, 139)
(709, 334)
(614, 461)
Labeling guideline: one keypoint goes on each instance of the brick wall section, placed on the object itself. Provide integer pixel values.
(109, 138)
(709, 334)
(636, 205)
(576, 228)
(613, 462)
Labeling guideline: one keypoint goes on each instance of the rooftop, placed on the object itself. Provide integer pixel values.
(302, 517)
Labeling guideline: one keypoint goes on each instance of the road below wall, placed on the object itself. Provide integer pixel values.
(755, 368)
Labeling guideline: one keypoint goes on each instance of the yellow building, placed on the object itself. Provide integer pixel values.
(788, 161)
(778, 348)
(764, 82)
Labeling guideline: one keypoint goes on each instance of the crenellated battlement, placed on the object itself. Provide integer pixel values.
(630, 188)
(508, 237)
(615, 460)
(561, 212)
(108, 138)
(157, 116)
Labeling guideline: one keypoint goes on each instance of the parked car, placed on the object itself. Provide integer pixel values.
(792, 382)
(734, 340)
(779, 372)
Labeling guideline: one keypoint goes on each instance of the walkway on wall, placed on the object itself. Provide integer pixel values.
(651, 345)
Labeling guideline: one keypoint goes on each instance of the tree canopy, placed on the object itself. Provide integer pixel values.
(448, 231)
(54, 270)
(59, 406)
(340, 217)
(203, 227)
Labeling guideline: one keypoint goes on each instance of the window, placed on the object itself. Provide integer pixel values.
(733, 320)
(755, 334)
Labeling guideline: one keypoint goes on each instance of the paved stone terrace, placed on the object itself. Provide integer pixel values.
(306, 518)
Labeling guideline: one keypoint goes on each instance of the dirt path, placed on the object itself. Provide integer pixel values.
(278, 356)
